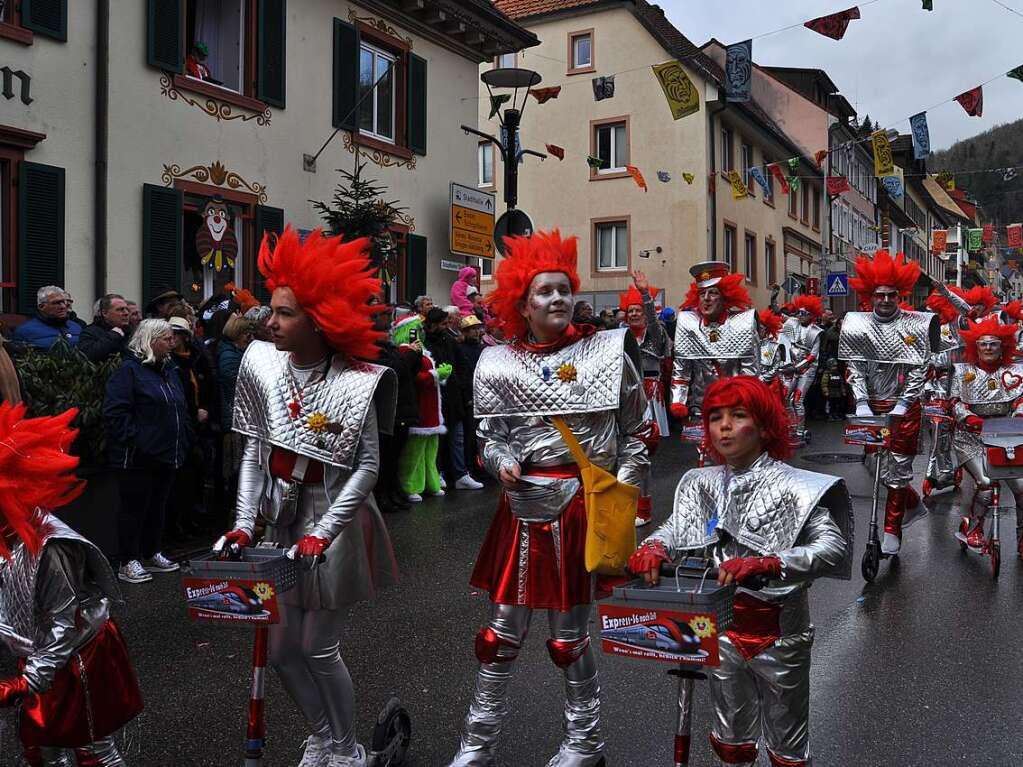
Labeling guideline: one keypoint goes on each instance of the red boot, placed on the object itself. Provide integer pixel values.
(644, 510)
(976, 539)
(927, 488)
(912, 499)
(894, 511)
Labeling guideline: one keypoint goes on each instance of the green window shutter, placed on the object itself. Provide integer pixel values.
(45, 17)
(165, 26)
(417, 104)
(267, 220)
(40, 231)
(271, 34)
(415, 267)
(161, 240)
(346, 74)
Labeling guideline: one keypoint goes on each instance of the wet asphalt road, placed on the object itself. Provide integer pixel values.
(924, 667)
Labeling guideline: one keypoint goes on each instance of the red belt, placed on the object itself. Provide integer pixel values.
(282, 466)
(756, 625)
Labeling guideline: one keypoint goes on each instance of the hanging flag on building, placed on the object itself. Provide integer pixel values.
(792, 178)
(689, 178)
(682, 95)
(738, 71)
(972, 101)
(893, 185)
(921, 136)
(496, 102)
(947, 181)
(975, 240)
(1016, 73)
(928, 5)
(603, 87)
(663, 176)
(884, 163)
(837, 185)
(1014, 235)
(819, 158)
(989, 234)
(543, 95)
(637, 176)
(739, 189)
(939, 238)
(834, 25)
(760, 178)
(775, 170)
(555, 150)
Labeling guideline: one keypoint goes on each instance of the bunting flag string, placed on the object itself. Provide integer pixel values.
(496, 101)
(775, 170)
(594, 162)
(988, 235)
(921, 136)
(739, 188)
(939, 238)
(689, 178)
(1014, 235)
(663, 176)
(884, 163)
(837, 185)
(637, 176)
(760, 178)
(819, 158)
(834, 25)
(1015, 73)
(682, 95)
(555, 150)
(603, 87)
(543, 95)
(739, 71)
(972, 101)
(975, 240)
(928, 5)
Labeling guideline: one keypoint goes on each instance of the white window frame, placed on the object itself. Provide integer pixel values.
(378, 54)
(240, 89)
(619, 261)
(749, 256)
(729, 253)
(615, 164)
(576, 64)
(485, 148)
(500, 63)
(746, 158)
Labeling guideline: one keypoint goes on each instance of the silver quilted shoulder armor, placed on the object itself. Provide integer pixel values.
(18, 575)
(908, 339)
(948, 339)
(771, 352)
(978, 387)
(803, 338)
(763, 508)
(344, 397)
(735, 338)
(585, 377)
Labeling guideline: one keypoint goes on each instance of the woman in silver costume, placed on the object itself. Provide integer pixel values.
(757, 516)
(310, 412)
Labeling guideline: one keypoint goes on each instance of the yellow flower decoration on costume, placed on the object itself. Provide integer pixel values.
(992, 384)
(910, 340)
(702, 626)
(969, 375)
(567, 373)
(885, 433)
(317, 423)
(704, 276)
(264, 591)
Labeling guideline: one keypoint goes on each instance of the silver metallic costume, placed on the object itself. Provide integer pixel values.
(343, 405)
(706, 351)
(941, 464)
(600, 397)
(52, 605)
(804, 347)
(773, 357)
(654, 348)
(762, 687)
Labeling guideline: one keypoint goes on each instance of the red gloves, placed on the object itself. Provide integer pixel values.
(648, 557)
(744, 568)
(311, 546)
(679, 410)
(974, 423)
(237, 537)
(12, 690)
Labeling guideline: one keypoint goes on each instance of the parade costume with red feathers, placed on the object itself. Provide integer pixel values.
(76, 685)
(533, 557)
(888, 358)
(773, 353)
(310, 464)
(803, 339)
(941, 470)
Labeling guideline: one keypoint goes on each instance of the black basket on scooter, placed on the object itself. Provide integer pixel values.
(238, 590)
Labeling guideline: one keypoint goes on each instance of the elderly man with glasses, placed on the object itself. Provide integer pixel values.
(51, 321)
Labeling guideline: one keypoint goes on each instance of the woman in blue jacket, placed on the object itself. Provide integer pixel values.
(148, 437)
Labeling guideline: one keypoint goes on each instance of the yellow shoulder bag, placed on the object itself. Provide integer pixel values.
(610, 511)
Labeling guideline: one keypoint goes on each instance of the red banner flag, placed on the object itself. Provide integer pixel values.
(989, 233)
(637, 176)
(939, 237)
(835, 24)
(776, 171)
(543, 95)
(837, 185)
(1014, 235)
(972, 101)
(819, 157)
(555, 150)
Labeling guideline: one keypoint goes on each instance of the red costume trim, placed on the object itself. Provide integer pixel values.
(906, 437)
(565, 652)
(282, 466)
(764, 404)
(780, 761)
(756, 625)
(734, 753)
(572, 334)
(989, 326)
(941, 306)
(883, 270)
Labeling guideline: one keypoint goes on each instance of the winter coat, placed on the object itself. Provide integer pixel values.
(99, 341)
(198, 380)
(442, 347)
(460, 290)
(229, 359)
(41, 333)
(430, 418)
(468, 353)
(405, 362)
(145, 415)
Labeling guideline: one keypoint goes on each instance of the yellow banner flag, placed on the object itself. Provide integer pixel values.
(739, 188)
(683, 97)
(884, 164)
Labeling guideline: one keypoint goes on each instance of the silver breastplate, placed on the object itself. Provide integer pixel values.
(735, 338)
(976, 387)
(907, 339)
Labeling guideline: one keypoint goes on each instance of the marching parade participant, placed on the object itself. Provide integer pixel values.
(804, 342)
(989, 384)
(554, 373)
(941, 464)
(311, 412)
(888, 351)
(654, 349)
(773, 353)
(715, 338)
(760, 520)
(75, 682)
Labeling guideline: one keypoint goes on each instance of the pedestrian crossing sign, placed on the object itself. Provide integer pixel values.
(838, 284)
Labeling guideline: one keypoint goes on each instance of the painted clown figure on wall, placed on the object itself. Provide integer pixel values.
(215, 241)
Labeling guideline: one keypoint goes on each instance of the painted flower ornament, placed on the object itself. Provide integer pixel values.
(567, 373)
(318, 423)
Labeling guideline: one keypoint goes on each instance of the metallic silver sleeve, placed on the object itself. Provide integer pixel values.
(879, 380)
(857, 378)
(357, 487)
(811, 357)
(820, 547)
(913, 384)
(681, 375)
(960, 304)
(251, 481)
(494, 435)
(633, 461)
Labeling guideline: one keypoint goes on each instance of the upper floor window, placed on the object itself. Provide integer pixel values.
(816, 211)
(729, 246)
(611, 145)
(580, 51)
(747, 163)
(505, 61)
(750, 258)
(376, 92)
(612, 246)
(20, 21)
(727, 151)
(769, 268)
(486, 164)
(806, 203)
(793, 203)
(215, 38)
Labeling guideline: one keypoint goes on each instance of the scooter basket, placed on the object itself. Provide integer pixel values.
(868, 430)
(243, 590)
(1003, 438)
(693, 432)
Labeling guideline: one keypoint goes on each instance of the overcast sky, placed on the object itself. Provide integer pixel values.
(894, 62)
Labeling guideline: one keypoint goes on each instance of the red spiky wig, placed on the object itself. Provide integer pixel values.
(242, 297)
(36, 472)
(979, 294)
(812, 304)
(763, 403)
(332, 281)
(882, 269)
(989, 326)
(733, 293)
(771, 322)
(633, 296)
(941, 306)
(1014, 310)
(525, 258)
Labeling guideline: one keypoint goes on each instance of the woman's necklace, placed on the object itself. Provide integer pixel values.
(298, 391)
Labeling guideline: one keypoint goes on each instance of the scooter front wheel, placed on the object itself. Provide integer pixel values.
(391, 735)
(871, 560)
(996, 558)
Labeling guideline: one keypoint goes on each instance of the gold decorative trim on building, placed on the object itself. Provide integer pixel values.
(215, 173)
(380, 25)
(215, 108)
(377, 156)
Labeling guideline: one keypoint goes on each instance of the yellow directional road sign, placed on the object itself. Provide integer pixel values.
(471, 243)
(472, 222)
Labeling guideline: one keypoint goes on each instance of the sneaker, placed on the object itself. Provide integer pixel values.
(133, 572)
(160, 564)
(414, 498)
(437, 494)
(443, 483)
(358, 759)
(317, 752)
(891, 544)
(468, 483)
(640, 522)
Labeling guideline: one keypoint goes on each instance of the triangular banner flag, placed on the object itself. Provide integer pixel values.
(835, 24)
(939, 237)
(689, 178)
(1016, 74)
(594, 162)
(738, 71)
(775, 170)
(972, 101)
(921, 136)
(989, 234)
(837, 185)
(760, 178)
(637, 176)
(682, 95)
(819, 157)
(884, 163)
(555, 150)
(663, 176)
(543, 95)
(496, 102)
(739, 189)
(1014, 235)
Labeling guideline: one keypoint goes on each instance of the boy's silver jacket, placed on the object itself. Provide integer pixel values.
(763, 508)
(907, 339)
(735, 338)
(265, 387)
(584, 377)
